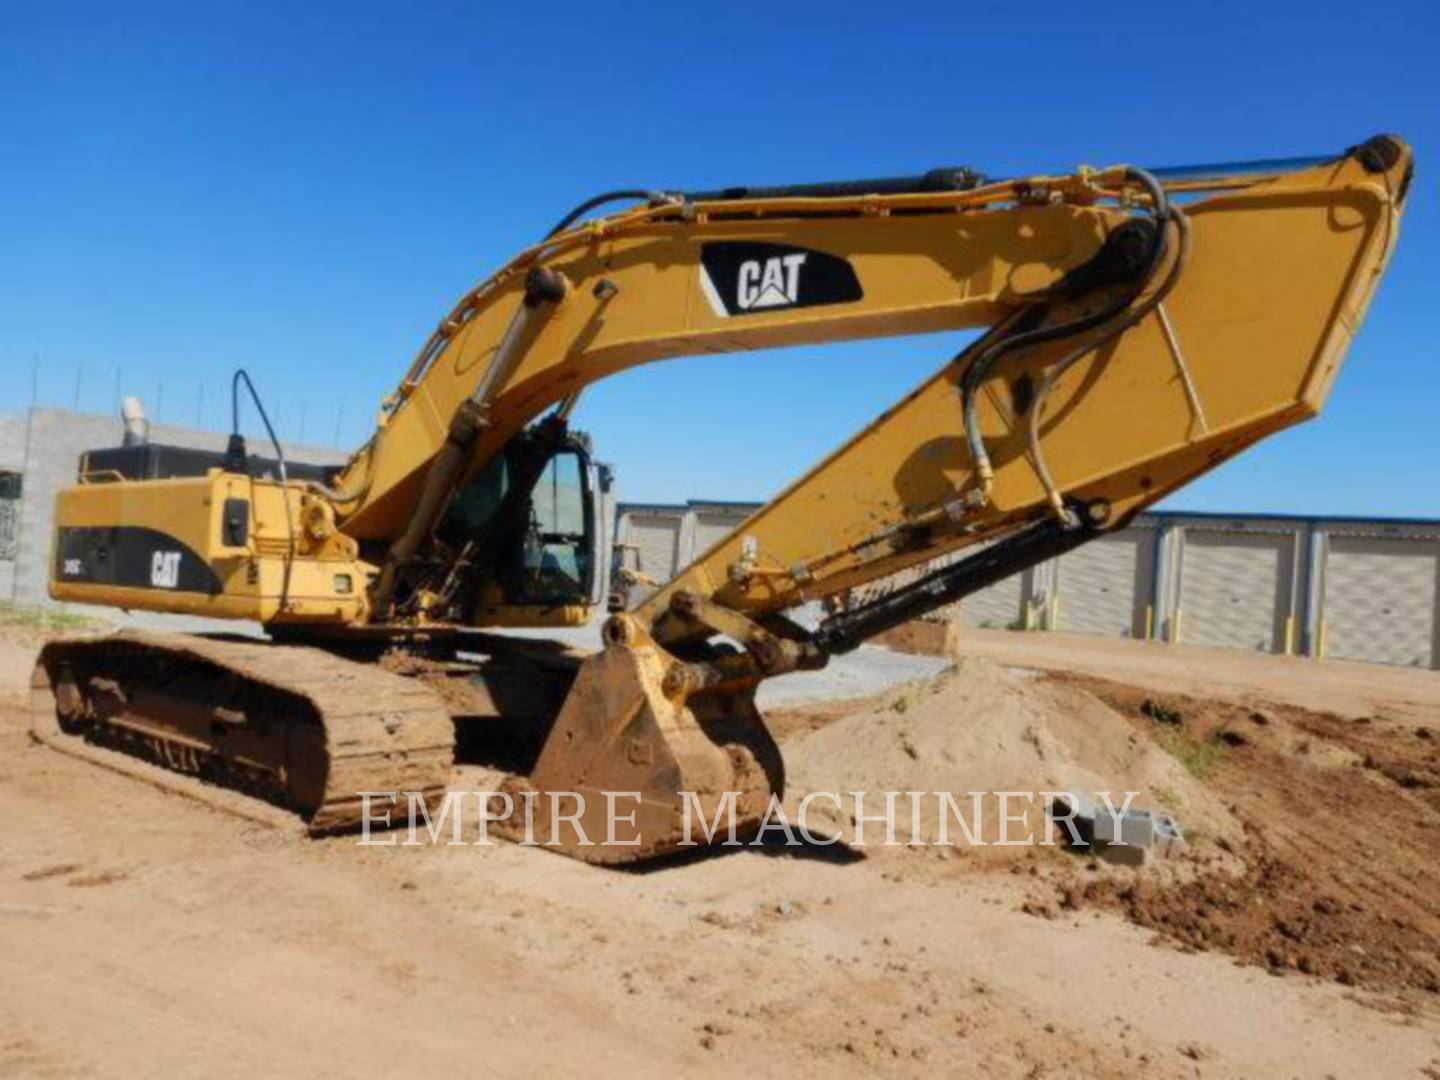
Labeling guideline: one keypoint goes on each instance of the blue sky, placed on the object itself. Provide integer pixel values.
(305, 188)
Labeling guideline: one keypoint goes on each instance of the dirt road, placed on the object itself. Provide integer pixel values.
(143, 934)
(1343, 687)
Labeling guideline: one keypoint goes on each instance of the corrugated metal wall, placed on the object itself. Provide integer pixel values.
(1378, 598)
(712, 526)
(650, 543)
(1354, 589)
(1000, 606)
(1104, 587)
(1236, 588)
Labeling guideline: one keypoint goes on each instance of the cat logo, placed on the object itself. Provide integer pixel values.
(750, 277)
(771, 283)
(165, 569)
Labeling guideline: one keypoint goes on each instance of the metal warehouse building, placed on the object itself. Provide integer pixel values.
(1358, 589)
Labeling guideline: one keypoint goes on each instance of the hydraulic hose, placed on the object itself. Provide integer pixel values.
(236, 441)
(600, 200)
(1057, 369)
(976, 373)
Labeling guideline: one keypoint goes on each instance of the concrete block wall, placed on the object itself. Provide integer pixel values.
(12, 443)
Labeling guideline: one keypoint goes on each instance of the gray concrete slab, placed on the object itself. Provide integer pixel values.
(866, 671)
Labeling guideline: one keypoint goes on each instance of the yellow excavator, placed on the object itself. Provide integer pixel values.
(1139, 328)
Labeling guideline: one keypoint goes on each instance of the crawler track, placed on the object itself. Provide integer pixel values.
(295, 726)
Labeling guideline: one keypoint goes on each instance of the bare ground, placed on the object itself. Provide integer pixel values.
(1341, 843)
(144, 934)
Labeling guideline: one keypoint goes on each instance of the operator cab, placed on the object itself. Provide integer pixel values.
(530, 519)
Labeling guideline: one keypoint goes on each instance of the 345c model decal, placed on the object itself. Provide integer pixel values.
(131, 556)
(745, 277)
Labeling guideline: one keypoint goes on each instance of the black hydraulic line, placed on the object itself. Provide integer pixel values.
(585, 207)
(948, 179)
(954, 178)
(961, 178)
(235, 452)
(846, 631)
(979, 368)
(1059, 367)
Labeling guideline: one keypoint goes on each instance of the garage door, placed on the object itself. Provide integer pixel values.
(1379, 599)
(656, 539)
(1104, 586)
(1235, 589)
(1000, 606)
(711, 528)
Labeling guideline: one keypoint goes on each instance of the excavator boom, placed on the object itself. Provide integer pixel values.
(1138, 328)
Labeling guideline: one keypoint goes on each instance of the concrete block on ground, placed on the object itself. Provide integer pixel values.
(1130, 838)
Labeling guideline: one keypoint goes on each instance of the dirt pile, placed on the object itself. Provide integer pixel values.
(1281, 916)
(981, 727)
(1314, 838)
(1341, 841)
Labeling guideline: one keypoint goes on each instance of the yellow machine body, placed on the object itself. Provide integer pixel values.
(186, 560)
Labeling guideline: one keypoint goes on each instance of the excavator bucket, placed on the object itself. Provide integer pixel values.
(631, 771)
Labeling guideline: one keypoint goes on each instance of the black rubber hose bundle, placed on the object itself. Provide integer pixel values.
(977, 371)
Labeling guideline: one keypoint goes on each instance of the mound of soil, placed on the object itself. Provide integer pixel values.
(1314, 838)
(983, 727)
